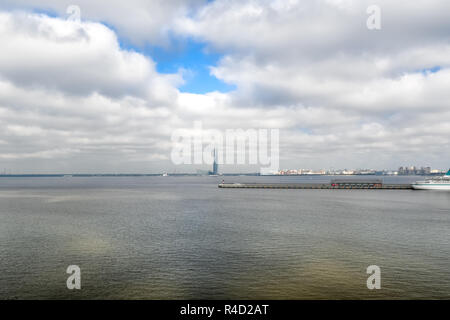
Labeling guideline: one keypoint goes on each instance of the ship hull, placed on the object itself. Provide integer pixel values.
(431, 186)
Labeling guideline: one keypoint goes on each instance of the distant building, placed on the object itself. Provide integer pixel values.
(404, 171)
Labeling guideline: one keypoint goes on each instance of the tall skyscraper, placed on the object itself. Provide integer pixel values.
(215, 169)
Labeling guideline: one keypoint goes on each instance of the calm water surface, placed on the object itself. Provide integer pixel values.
(184, 238)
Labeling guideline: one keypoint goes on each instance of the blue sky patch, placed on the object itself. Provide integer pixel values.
(50, 13)
(431, 70)
(194, 58)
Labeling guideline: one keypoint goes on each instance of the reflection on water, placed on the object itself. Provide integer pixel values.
(184, 238)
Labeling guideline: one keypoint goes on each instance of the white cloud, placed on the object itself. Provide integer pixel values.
(75, 58)
(138, 21)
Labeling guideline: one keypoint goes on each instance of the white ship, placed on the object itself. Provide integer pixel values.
(441, 183)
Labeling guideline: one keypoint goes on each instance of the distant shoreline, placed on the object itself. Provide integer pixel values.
(86, 175)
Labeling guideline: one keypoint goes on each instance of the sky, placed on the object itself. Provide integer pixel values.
(106, 93)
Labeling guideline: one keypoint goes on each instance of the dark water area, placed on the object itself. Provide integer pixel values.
(184, 238)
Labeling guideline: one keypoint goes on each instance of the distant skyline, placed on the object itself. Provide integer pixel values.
(283, 171)
(104, 94)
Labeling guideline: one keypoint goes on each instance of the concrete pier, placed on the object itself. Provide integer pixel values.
(336, 184)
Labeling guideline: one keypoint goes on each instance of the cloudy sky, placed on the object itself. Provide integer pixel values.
(105, 94)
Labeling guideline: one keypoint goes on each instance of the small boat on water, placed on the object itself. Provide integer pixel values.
(441, 183)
